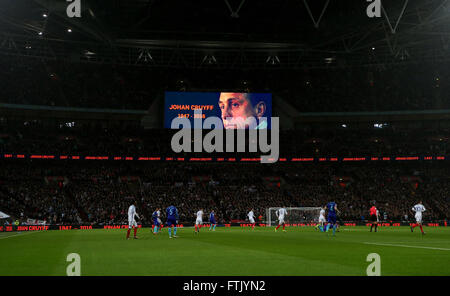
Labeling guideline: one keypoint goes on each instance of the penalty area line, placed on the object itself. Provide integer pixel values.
(406, 246)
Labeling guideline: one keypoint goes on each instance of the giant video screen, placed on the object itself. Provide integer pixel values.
(235, 110)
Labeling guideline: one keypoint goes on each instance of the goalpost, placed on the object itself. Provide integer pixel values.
(295, 215)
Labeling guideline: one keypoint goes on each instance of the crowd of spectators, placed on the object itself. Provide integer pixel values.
(34, 138)
(91, 193)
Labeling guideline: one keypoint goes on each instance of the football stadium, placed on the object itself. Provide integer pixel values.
(224, 138)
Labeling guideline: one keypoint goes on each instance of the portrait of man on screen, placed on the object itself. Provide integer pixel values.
(243, 110)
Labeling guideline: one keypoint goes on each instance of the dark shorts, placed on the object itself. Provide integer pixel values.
(212, 221)
(373, 218)
(155, 222)
(332, 219)
(171, 222)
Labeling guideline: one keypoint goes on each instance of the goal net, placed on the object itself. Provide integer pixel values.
(294, 215)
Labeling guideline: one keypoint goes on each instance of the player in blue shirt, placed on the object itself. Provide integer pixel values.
(212, 220)
(172, 217)
(332, 216)
(156, 220)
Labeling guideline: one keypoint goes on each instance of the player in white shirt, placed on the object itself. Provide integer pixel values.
(281, 213)
(251, 218)
(322, 219)
(131, 220)
(418, 209)
(199, 221)
(159, 217)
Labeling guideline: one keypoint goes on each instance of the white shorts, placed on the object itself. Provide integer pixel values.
(251, 220)
(281, 220)
(418, 218)
(132, 223)
(322, 219)
(198, 222)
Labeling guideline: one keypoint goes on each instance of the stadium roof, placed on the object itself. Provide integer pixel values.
(228, 33)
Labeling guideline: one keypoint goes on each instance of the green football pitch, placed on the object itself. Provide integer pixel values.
(228, 251)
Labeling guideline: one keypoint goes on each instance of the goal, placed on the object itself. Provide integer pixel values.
(295, 215)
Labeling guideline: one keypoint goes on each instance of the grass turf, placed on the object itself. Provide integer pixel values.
(228, 251)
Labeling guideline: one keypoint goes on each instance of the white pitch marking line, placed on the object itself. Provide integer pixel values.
(19, 234)
(407, 246)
